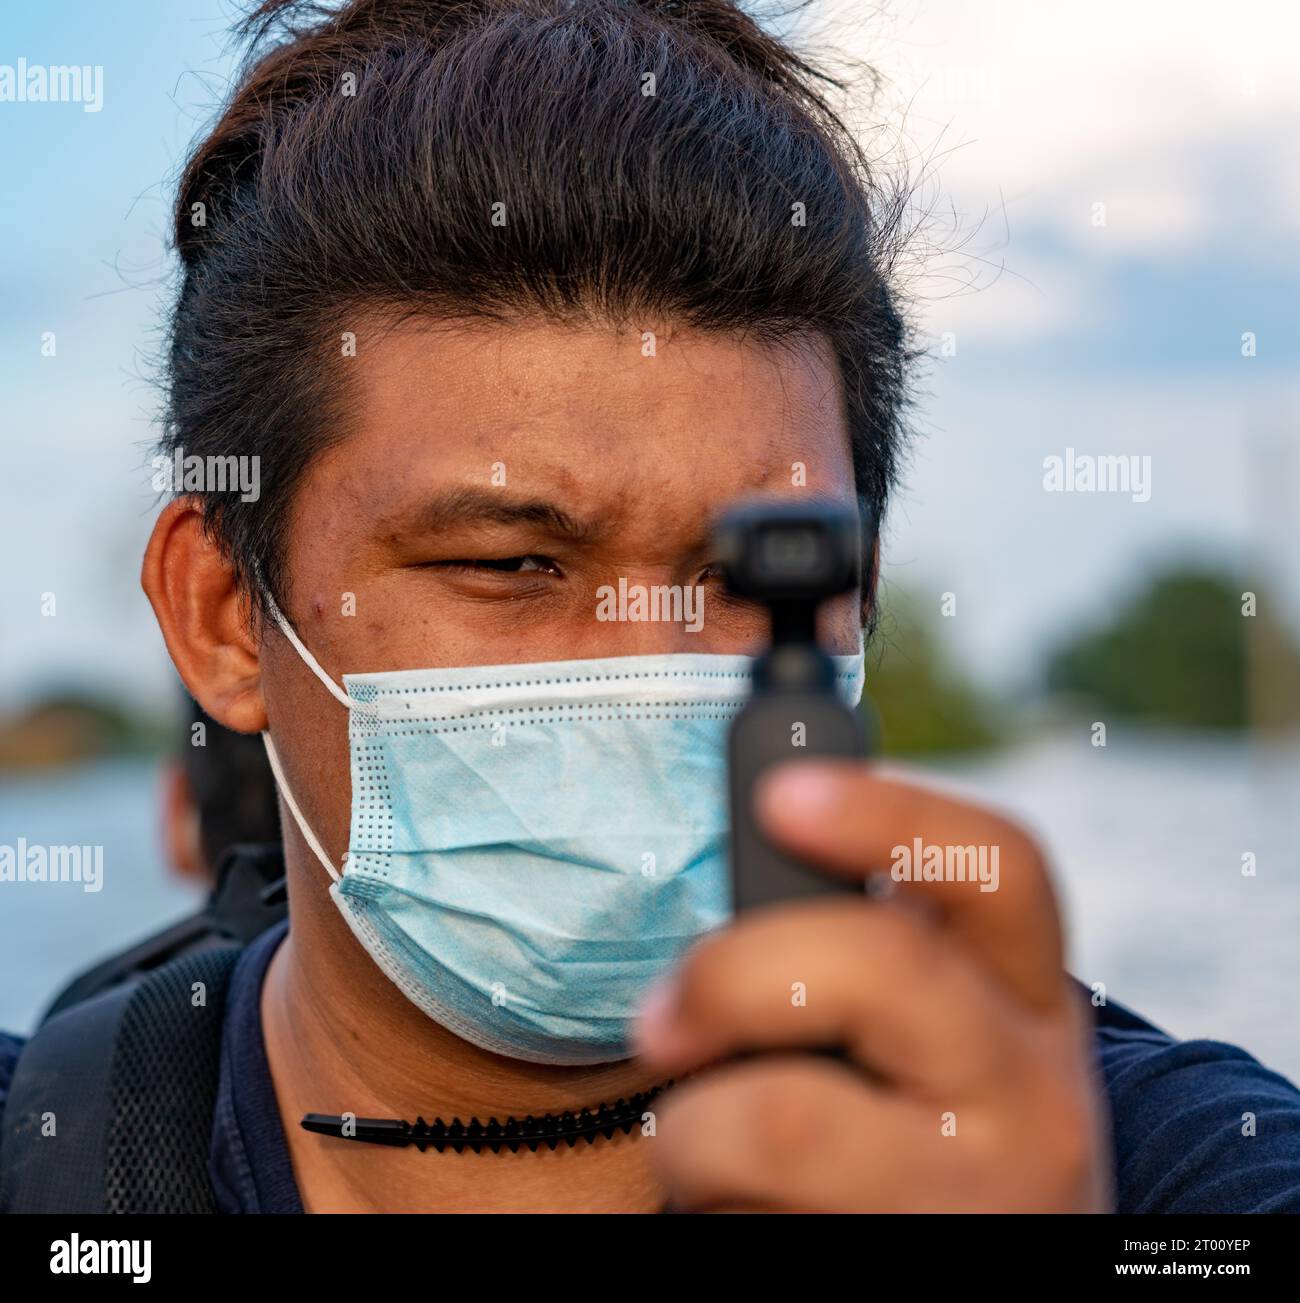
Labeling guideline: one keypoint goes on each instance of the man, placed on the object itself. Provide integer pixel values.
(983, 1090)
(493, 363)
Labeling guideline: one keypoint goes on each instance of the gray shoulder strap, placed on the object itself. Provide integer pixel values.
(110, 1108)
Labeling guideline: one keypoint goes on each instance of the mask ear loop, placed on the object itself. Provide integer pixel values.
(340, 696)
(312, 663)
(309, 836)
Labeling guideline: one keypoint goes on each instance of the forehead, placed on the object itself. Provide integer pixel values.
(601, 417)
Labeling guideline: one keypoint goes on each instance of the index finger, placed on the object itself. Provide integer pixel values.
(844, 817)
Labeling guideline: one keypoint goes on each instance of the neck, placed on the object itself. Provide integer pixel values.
(340, 1038)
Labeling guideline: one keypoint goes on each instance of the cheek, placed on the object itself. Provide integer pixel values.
(839, 623)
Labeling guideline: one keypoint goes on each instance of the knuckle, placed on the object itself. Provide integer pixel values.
(1017, 844)
(783, 1120)
(904, 941)
(1066, 1133)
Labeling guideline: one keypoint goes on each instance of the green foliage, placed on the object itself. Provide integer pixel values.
(1181, 652)
(66, 727)
(921, 704)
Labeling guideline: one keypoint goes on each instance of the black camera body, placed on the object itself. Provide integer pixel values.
(791, 557)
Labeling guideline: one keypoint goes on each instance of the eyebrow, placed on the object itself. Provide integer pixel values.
(494, 506)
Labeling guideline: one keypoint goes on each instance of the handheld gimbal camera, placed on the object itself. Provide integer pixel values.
(791, 557)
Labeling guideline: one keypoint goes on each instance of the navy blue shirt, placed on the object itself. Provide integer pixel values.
(1178, 1113)
(249, 1157)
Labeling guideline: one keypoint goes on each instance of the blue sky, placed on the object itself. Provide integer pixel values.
(82, 255)
(1181, 118)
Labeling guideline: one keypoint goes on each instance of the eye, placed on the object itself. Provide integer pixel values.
(509, 565)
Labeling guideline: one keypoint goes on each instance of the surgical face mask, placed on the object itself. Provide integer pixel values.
(533, 846)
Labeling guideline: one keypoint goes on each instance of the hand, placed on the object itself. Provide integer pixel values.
(971, 1086)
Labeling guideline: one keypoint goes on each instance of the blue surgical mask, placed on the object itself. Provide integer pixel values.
(533, 846)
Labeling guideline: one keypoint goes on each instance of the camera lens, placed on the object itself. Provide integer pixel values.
(790, 552)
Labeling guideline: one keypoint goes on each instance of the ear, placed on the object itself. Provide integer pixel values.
(203, 618)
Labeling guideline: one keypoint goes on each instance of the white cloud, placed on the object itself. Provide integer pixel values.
(1015, 297)
(1181, 118)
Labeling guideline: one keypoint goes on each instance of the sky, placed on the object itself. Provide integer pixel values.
(1017, 120)
(1107, 200)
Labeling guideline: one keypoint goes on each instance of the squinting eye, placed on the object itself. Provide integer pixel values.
(513, 564)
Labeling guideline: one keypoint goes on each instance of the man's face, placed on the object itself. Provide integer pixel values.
(492, 479)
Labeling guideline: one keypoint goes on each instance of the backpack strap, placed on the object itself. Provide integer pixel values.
(248, 898)
(125, 1085)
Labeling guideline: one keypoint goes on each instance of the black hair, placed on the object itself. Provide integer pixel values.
(231, 782)
(355, 168)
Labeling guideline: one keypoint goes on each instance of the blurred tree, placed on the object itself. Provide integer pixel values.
(66, 727)
(1182, 652)
(916, 701)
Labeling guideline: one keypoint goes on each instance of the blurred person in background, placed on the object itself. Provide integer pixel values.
(217, 794)
(216, 790)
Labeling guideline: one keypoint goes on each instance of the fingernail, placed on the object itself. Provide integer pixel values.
(655, 1034)
(803, 785)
